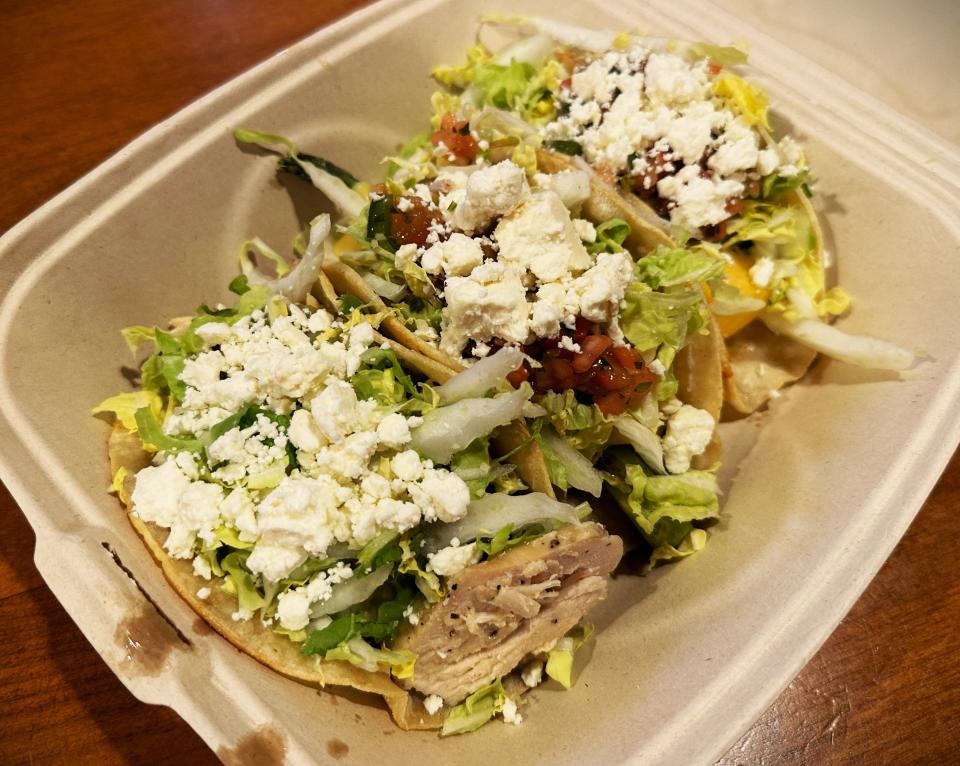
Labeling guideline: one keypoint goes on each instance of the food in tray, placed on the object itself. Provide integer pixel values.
(382, 466)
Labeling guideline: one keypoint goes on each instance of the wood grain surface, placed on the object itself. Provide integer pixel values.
(79, 79)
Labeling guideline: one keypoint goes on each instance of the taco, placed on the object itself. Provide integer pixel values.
(678, 138)
(276, 465)
(472, 254)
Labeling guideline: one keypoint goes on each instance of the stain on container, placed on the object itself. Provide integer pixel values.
(202, 628)
(146, 640)
(146, 635)
(337, 748)
(264, 746)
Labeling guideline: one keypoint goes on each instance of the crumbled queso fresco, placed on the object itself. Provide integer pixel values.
(527, 277)
(355, 477)
(634, 111)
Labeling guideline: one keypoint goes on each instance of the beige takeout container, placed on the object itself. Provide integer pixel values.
(826, 481)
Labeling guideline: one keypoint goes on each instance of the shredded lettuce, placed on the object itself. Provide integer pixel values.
(568, 467)
(524, 155)
(152, 434)
(775, 186)
(136, 336)
(596, 40)
(380, 625)
(249, 598)
(664, 304)
(443, 103)
(358, 652)
(492, 123)
(460, 77)
(555, 467)
(503, 86)
(664, 508)
(748, 99)
(428, 583)
(269, 476)
(726, 55)
(291, 165)
(560, 659)
(477, 469)
(374, 549)
(582, 425)
(118, 485)
(389, 291)
(669, 267)
(643, 439)
(728, 300)
(476, 710)
(521, 80)
(382, 378)
(610, 237)
(230, 537)
(160, 372)
(694, 542)
(506, 537)
(650, 319)
(785, 234)
(419, 283)
(412, 164)
(292, 284)
(125, 406)
(248, 266)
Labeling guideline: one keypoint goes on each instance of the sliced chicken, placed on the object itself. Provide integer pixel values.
(499, 611)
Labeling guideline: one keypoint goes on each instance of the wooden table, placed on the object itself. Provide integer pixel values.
(78, 81)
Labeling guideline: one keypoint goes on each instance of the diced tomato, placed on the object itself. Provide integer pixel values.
(612, 376)
(455, 135)
(560, 373)
(570, 58)
(607, 173)
(735, 205)
(609, 381)
(613, 404)
(583, 328)
(714, 233)
(519, 375)
(625, 356)
(645, 184)
(714, 68)
(413, 225)
(591, 349)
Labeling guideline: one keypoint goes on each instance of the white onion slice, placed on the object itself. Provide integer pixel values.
(644, 441)
(296, 283)
(493, 512)
(347, 201)
(860, 350)
(485, 375)
(384, 288)
(447, 430)
(356, 590)
(580, 471)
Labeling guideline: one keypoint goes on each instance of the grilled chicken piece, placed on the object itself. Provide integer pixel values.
(499, 611)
